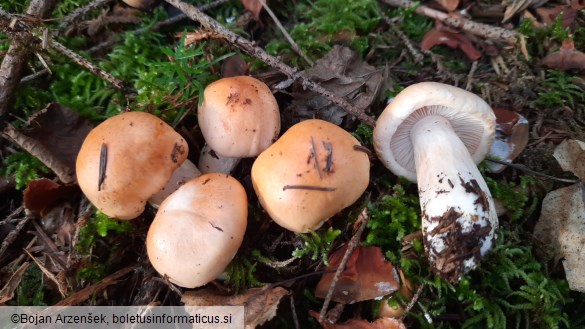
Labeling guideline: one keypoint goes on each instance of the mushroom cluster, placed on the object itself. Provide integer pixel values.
(313, 171)
(435, 134)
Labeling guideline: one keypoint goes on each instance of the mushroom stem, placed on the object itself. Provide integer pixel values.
(186, 171)
(458, 214)
(212, 162)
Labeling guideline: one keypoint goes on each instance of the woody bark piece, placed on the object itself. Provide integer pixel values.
(16, 58)
(479, 29)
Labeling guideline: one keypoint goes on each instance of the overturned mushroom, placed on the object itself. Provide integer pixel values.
(435, 134)
(239, 118)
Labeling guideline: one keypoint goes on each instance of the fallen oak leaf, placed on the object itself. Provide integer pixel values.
(566, 58)
(452, 39)
(260, 304)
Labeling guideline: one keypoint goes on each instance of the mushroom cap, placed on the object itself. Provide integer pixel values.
(239, 116)
(297, 194)
(142, 154)
(470, 116)
(198, 230)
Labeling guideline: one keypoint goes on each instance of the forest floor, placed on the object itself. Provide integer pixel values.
(68, 65)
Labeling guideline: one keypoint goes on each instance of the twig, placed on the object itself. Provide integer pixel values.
(290, 40)
(167, 22)
(38, 150)
(118, 37)
(12, 235)
(79, 13)
(293, 309)
(248, 47)
(416, 54)
(308, 187)
(16, 57)
(414, 299)
(55, 45)
(530, 171)
(479, 29)
(351, 245)
(85, 293)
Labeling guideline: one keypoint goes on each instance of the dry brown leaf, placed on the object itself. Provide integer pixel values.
(511, 138)
(515, 6)
(234, 66)
(450, 5)
(577, 4)
(342, 72)
(61, 130)
(570, 154)
(561, 223)
(442, 36)
(548, 15)
(7, 292)
(41, 195)
(566, 58)
(561, 226)
(367, 275)
(254, 6)
(382, 323)
(260, 304)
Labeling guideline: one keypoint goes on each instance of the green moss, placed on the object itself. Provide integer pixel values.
(240, 275)
(518, 200)
(511, 289)
(391, 218)
(31, 291)
(317, 244)
(100, 225)
(23, 168)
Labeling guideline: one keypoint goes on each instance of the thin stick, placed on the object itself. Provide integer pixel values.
(293, 309)
(167, 22)
(120, 36)
(352, 244)
(38, 150)
(530, 171)
(16, 57)
(79, 13)
(55, 45)
(315, 159)
(416, 54)
(247, 46)
(414, 299)
(308, 187)
(115, 82)
(479, 29)
(290, 40)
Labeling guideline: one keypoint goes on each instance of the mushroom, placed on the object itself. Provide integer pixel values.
(198, 230)
(127, 159)
(238, 118)
(311, 173)
(435, 134)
